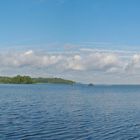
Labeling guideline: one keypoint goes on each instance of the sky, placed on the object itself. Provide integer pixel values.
(89, 41)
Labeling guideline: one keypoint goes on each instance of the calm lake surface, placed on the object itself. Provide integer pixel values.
(65, 112)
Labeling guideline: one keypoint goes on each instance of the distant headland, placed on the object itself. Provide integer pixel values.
(29, 80)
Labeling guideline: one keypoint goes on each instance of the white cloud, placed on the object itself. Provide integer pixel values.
(82, 61)
(134, 64)
(101, 61)
(74, 63)
(97, 63)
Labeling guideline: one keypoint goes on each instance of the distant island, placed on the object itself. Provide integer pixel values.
(90, 84)
(28, 80)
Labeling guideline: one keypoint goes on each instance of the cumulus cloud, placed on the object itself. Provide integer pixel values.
(102, 61)
(79, 61)
(134, 63)
(93, 61)
(27, 59)
(74, 63)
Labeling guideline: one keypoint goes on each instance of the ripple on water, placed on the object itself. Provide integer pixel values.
(52, 112)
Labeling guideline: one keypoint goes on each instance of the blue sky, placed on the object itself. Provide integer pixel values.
(98, 39)
(69, 21)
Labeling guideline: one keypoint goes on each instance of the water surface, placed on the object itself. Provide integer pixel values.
(65, 112)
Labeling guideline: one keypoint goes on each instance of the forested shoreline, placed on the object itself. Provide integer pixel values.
(29, 80)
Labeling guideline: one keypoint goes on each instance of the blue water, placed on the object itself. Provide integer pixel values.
(65, 112)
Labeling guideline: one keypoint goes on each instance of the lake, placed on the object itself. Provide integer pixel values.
(66, 112)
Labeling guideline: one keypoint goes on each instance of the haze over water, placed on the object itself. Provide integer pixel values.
(65, 112)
